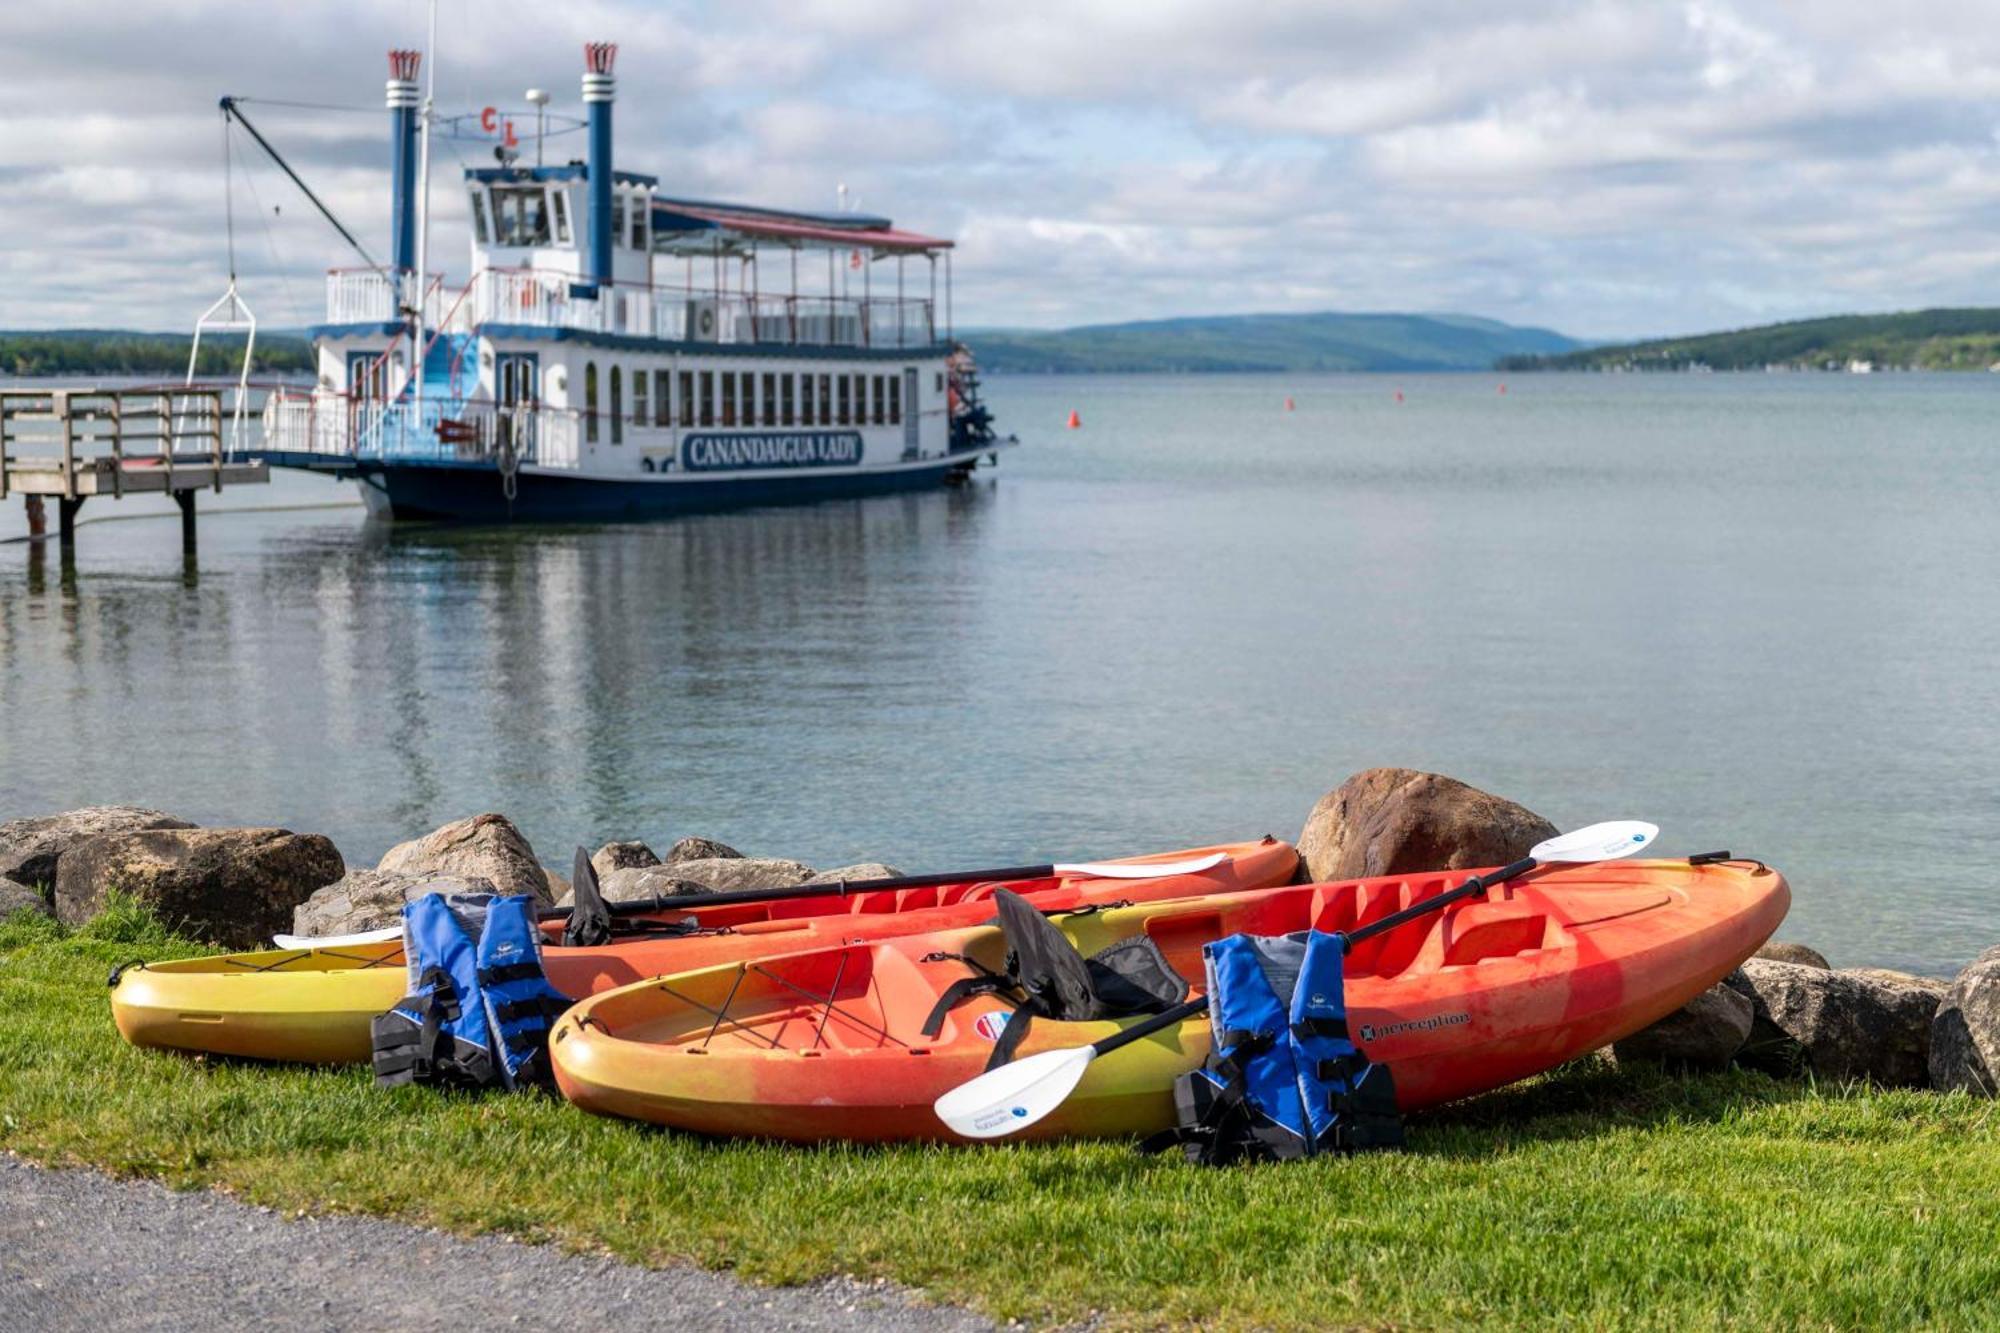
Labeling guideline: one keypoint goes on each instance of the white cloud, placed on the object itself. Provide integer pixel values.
(1605, 168)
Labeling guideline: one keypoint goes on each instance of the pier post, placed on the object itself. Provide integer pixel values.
(38, 516)
(185, 499)
(66, 518)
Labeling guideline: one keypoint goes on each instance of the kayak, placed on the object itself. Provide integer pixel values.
(313, 1005)
(828, 1044)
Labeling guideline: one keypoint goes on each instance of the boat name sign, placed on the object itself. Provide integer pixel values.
(810, 448)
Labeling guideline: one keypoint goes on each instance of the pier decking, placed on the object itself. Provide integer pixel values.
(74, 444)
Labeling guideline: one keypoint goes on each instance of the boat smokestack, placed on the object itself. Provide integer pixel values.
(599, 89)
(403, 100)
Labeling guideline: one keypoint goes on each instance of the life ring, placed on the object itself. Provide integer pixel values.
(705, 322)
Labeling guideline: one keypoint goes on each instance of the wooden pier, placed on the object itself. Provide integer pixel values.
(74, 444)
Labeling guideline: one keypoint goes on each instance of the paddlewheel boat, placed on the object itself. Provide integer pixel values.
(620, 351)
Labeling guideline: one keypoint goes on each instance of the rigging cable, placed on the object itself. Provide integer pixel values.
(229, 108)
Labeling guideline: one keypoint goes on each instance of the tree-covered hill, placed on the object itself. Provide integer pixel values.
(85, 352)
(1953, 339)
(1326, 341)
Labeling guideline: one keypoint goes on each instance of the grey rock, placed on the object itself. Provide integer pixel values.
(1705, 1033)
(1890, 977)
(1789, 951)
(622, 856)
(716, 875)
(31, 848)
(700, 849)
(1842, 1027)
(1965, 1035)
(859, 871)
(636, 883)
(484, 846)
(20, 898)
(369, 899)
(1389, 821)
(235, 886)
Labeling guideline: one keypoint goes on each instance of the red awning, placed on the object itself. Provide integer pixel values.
(779, 227)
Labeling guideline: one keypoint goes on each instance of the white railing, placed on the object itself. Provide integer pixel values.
(335, 426)
(677, 314)
(371, 296)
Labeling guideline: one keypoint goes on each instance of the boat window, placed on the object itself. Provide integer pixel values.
(706, 398)
(770, 399)
(749, 398)
(639, 398)
(520, 215)
(686, 417)
(895, 401)
(590, 402)
(846, 416)
(480, 231)
(561, 200)
(661, 382)
(785, 400)
(728, 397)
(881, 400)
(638, 223)
(826, 400)
(617, 406)
(940, 381)
(617, 216)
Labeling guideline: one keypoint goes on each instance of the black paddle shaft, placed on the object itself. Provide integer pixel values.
(835, 888)
(1473, 887)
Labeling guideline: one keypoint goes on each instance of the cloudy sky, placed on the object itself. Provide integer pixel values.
(1604, 169)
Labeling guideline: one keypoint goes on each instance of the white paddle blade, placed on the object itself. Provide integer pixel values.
(1143, 869)
(1598, 842)
(1014, 1096)
(382, 936)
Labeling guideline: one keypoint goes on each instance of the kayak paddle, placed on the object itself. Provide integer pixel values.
(1001, 1101)
(834, 888)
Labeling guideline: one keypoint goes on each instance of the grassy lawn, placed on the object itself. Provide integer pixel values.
(1593, 1197)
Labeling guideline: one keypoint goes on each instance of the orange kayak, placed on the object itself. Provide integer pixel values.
(314, 1005)
(827, 1044)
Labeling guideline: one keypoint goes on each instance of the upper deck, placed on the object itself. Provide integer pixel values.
(684, 271)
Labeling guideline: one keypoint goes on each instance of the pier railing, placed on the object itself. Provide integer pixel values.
(680, 314)
(124, 428)
(337, 427)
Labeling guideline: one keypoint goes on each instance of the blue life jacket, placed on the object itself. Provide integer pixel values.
(1284, 1080)
(480, 1007)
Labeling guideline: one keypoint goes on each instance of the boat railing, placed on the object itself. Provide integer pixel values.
(543, 299)
(375, 296)
(339, 427)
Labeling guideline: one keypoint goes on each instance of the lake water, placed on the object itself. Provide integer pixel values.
(1760, 611)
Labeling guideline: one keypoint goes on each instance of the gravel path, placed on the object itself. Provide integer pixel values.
(81, 1250)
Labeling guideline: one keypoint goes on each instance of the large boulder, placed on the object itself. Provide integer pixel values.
(1392, 821)
(719, 875)
(1842, 1027)
(236, 886)
(622, 856)
(30, 849)
(859, 871)
(700, 849)
(369, 899)
(1705, 1033)
(1790, 951)
(485, 847)
(20, 898)
(1890, 976)
(1965, 1034)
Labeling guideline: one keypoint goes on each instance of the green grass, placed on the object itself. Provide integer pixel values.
(1594, 1197)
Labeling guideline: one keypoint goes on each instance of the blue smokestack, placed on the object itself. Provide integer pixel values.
(598, 90)
(403, 101)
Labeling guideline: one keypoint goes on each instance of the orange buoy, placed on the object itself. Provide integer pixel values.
(1289, 404)
(1399, 395)
(1074, 419)
(1503, 386)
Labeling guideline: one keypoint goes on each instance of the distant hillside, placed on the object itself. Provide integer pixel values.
(124, 352)
(1266, 342)
(1967, 339)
